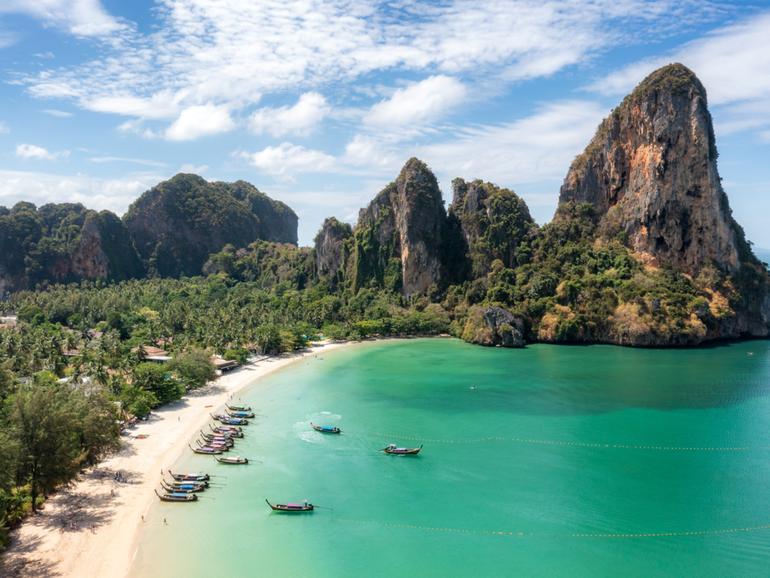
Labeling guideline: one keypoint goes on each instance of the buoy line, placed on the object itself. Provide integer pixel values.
(593, 535)
(568, 443)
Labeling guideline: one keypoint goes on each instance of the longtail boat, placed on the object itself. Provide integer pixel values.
(176, 497)
(233, 428)
(221, 446)
(238, 407)
(241, 414)
(214, 440)
(229, 420)
(194, 477)
(392, 449)
(326, 428)
(218, 434)
(206, 450)
(232, 460)
(228, 441)
(179, 483)
(183, 488)
(291, 508)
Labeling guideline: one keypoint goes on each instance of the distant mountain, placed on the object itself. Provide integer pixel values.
(169, 231)
(178, 223)
(61, 243)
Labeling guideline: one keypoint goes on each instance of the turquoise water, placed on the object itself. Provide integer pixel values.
(546, 461)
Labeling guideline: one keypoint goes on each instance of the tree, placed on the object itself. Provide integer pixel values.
(42, 418)
(194, 368)
(157, 379)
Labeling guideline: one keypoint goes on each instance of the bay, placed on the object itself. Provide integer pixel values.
(545, 461)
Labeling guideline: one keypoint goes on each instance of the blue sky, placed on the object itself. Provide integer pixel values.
(320, 103)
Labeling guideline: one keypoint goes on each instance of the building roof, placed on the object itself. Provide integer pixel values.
(151, 351)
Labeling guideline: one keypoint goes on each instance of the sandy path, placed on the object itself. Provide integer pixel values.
(91, 529)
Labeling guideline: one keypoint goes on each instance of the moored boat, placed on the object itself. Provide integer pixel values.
(326, 428)
(195, 476)
(396, 451)
(232, 431)
(238, 407)
(177, 497)
(230, 420)
(241, 414)
(221, 446)
(206, 450)
(291, 507)
(183, 488)
(214, 440)
(179, 483)
(233, 460)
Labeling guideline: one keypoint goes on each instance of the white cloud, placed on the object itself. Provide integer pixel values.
(418, 103)
(286, 160)
(197, 121)
(130, 160)
(229, 53)
(195, 169)
(733, 63)
(300, 119)
(79, 17)
(40, 188)
(57, 113)
(532, 149)
(4, 128)
(34, 152)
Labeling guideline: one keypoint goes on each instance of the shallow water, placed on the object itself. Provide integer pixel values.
(546, 461)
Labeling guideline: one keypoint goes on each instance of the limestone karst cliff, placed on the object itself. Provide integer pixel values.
(651, 174)
(330, 247)
(398, 238)
(178, 223)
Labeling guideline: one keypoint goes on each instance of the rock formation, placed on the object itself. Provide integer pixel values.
(178, 223)
(330, 248)
(398, 239)
(650, 172)
(62, 243)
(493, 326)
(495, 223)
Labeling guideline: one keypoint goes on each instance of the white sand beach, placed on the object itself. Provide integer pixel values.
(91, 529)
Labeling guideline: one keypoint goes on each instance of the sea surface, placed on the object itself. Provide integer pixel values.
(545, 461)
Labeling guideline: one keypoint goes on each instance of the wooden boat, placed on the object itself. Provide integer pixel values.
(238, 407)
(233, 460)
(213, 440)
(393, 450)
(177, 497)
(206, 450)
(219, 440)
(230, 420)
(228, 431)
(291, 508)
(183, 488)
(241, 414)
(195, 477)
(221, 434)
(179, 483)
(221, 446)
(326, 428)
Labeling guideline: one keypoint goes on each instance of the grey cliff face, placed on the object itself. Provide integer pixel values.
(402, 228)
(651, 174)
(330, 250)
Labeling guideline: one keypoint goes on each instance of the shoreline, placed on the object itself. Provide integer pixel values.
(92, 529)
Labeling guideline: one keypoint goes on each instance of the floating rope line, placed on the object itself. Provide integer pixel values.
(545, 442)
(598, 535)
